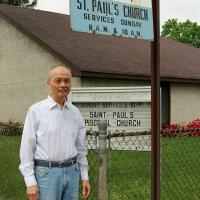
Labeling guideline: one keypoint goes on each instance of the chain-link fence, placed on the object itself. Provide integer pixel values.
(91, 143)
(180, 161)
(129, 166)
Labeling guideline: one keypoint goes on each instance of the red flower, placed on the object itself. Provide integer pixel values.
(173, 130)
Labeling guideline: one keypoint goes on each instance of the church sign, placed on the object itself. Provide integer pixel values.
(126, 109)
(125, 18)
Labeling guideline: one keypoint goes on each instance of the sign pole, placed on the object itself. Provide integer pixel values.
(155, 102)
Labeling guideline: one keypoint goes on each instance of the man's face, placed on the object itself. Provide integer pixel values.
(59, 82)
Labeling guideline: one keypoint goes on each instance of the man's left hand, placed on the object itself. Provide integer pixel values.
(86, 189)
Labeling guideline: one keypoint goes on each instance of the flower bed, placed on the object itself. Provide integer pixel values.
(177, 130)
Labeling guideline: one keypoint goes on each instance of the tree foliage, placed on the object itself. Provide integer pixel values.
(186, 32)
(21, 3)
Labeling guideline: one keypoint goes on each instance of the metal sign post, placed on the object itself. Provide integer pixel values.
(155, 102)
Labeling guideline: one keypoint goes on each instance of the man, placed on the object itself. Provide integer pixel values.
(53, 151)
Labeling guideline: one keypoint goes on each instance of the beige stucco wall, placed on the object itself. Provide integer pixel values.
(185, 105)
(23, 71)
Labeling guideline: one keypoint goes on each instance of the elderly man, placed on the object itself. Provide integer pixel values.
(53, 151)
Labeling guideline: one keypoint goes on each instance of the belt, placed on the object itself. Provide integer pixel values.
(64, 163)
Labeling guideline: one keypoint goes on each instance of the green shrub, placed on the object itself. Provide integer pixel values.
(11, 128)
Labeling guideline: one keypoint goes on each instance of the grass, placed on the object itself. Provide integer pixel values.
(129, 175)
(180, 175)
(11, 182)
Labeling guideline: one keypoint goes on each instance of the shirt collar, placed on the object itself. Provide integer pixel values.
(52, 103)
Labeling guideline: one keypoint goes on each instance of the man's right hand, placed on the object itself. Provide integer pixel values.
(33, 192)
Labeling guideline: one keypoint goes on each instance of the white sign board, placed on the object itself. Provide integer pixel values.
(126, 109)
(126, 18)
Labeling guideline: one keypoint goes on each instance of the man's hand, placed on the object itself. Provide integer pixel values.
(86, 189)
(33, 192)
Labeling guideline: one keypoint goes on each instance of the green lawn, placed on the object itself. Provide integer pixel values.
(130, 175)
(180, 172)
(130, 171)
(11, 182)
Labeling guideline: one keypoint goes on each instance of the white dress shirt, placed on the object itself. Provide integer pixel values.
(53, 134)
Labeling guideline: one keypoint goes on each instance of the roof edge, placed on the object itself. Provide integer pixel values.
(180, 80)
(86, 74)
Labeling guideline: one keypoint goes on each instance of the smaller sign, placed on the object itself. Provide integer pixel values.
(127, 108)
(109, 17)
